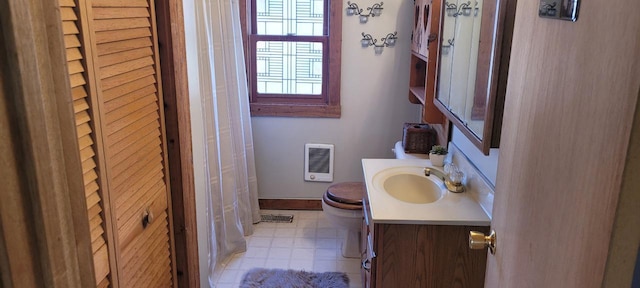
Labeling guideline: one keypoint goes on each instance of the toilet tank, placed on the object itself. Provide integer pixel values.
(400, 154)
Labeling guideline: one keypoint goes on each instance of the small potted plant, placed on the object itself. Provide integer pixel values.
(437, 155)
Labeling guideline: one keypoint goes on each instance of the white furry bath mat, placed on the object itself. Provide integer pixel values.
(278, 278)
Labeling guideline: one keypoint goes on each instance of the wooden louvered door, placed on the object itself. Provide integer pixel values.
(129, 94)
(121, 127)
(84, 105)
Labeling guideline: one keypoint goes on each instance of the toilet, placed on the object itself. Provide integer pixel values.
(342, 206)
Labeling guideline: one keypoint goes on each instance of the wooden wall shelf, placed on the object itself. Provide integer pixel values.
(424, 54)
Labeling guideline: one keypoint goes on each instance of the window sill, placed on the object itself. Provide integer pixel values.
(295, 110)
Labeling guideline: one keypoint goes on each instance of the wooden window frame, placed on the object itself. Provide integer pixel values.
(326, 105)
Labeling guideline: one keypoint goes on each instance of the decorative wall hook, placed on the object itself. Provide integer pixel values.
(386, 41)
(548, 9)
(373, 11)
(453, 10)
(446, 48)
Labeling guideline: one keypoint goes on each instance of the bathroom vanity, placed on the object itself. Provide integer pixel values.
(407, 244)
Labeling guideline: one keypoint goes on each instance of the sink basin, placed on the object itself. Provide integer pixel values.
(412, 188)
(408, 184)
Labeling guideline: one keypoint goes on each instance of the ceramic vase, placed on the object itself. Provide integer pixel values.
(437, 160)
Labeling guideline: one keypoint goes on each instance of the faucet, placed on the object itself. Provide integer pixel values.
(453, 186)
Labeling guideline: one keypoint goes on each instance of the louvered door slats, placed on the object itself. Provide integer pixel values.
(73, 54)
(132, 229)
(85, 140)
(141, 250)
(69, 27)
(82, 117)
(67, 14)
(150, 190)
(118, 13)
(117, 101)
(130, 178)
(145, 199)
(135, 177)
(117, 24)
(95, 221)
(130, 101)
(113, 36)
(124, 67)
(151, 275)
(120, 3)
(146, 123)
(103, 284)
(136, 103)
(75, 67)
(89, 177)
(127, 88)
(88, 165)
(71, 41)
(83, 130)
(148, 138)
(127, 77)
(99, 258)
(160, 253)
(93, 212)
(77, 81)
(67, 3)
(80, 104)
(86, 153)
(127, 201)
(93, 186)
(120, 46)
(98, 244)
(130, 97)
(78, 92)
(138, 114)
(161, 278)
(134, 252)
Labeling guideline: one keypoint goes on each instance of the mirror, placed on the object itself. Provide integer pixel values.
(473, 53)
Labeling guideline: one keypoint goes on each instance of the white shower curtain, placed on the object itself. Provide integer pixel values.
(232, 192)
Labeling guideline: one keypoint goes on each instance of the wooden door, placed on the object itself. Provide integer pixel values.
(571, 99)
(127, 72)
(80, 69)
(114, 68)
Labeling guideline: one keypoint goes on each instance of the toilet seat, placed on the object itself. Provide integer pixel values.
(347, 195)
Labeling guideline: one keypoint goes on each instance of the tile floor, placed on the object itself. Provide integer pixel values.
(310, 243)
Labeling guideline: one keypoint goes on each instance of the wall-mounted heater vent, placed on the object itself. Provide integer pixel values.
(318, 162)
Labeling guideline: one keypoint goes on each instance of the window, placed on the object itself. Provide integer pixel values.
(293, 57)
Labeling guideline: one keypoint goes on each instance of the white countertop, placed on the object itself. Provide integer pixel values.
(450, 209)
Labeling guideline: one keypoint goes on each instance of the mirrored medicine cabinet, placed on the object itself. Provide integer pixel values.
(475, 45)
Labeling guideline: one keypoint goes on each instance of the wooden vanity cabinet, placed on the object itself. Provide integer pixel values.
(409, 255)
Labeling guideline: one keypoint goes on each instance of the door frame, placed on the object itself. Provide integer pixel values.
(173, 62)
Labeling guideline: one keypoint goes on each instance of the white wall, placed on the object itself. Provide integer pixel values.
(374, 101)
